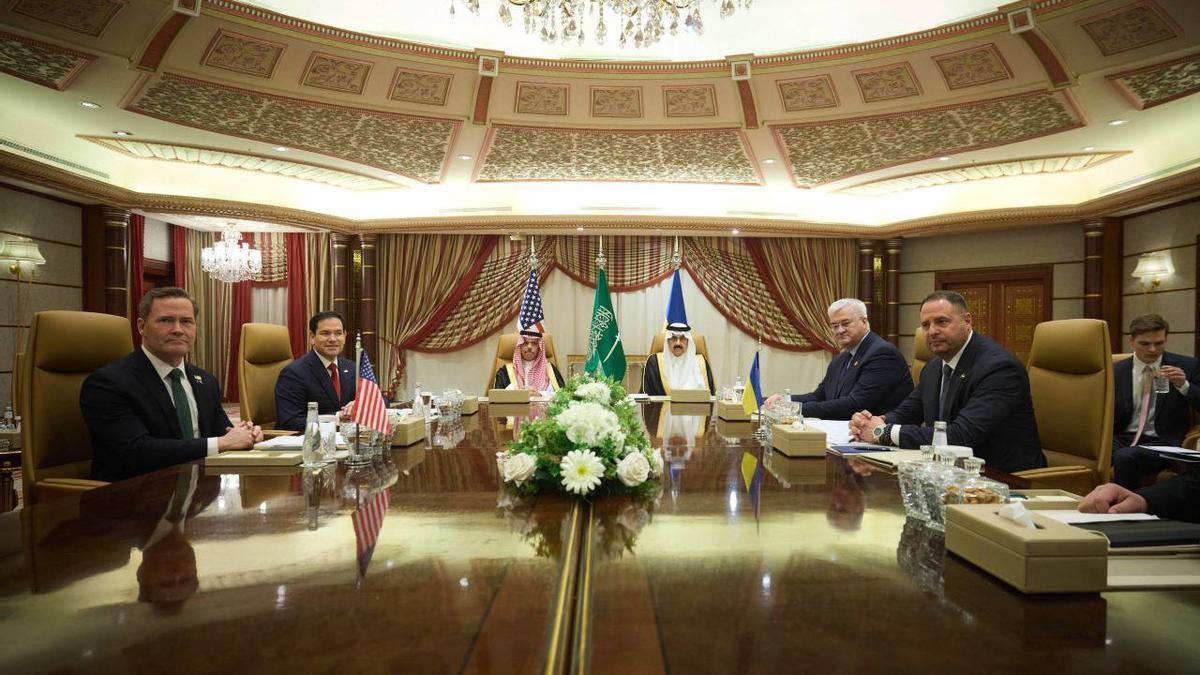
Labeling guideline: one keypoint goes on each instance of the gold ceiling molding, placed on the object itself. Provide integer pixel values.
(89, 17)
(41, 62)
(1026, 166)
(410, 145)
(1159, 83)
(821, 152)
(246, 161)
(1181, 186)
(527, 153)
(968, 29)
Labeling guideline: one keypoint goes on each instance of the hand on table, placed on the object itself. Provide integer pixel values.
(1112, 498)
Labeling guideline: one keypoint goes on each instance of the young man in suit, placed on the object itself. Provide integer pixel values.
(320, 375)
(149, 409)
(1143, 417)
(978, 387)
(869, 373)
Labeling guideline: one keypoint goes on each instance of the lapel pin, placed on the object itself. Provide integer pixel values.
(198, 379)
(855, 364)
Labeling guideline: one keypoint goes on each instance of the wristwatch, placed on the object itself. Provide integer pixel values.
(879, 432)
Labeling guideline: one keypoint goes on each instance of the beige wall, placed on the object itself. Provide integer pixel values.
(57, 228)
(156, 240)
(1173, 231)
(1058, 245)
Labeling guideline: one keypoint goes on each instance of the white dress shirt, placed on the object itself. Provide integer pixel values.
(953, 363)
(164, 370)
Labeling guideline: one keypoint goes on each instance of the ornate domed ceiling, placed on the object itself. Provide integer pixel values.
(934, 115)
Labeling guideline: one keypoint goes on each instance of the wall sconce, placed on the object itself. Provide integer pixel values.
(1151, 268)
(22, 258)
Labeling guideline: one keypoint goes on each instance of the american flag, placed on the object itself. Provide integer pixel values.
(369, 409)
(368, 521)
(531, 305)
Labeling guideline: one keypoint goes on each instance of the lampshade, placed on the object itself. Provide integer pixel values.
(21, 250)
(1151, 265)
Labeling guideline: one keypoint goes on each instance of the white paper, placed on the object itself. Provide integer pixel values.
(282, 442)
(1075, 517)
(1172, 450)
(837, 432)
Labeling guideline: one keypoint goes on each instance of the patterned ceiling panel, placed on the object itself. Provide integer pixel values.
(689, 101)
(242, 54)
(806, 93)
(1160, 83)
(883, 83)
(821, 152)
(327, 71)
(419, 86)
(518, 153)
(195, 154)
(972, 67)
(616, 101)
(89, 17)
(542, 99)
(405, 144)
(1129, 27)
(40, 62)
(973, 172)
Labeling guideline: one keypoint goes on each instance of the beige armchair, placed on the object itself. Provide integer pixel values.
(64, 348)
(264, 351)
(1070, 378)
(921, 355)
(504, 356)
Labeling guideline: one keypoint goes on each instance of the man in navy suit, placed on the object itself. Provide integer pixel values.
(320, 375)
(149, 410)
(978, 387)
(1143, 417)
(1177, 498)
(869, 374)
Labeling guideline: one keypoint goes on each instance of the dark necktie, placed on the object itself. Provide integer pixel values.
(183, 411)
(337, 383)
(947, 373)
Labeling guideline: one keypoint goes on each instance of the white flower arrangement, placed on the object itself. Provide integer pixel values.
(597, 392)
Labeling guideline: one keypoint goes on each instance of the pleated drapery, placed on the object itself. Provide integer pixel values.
(215, 299)
(318, 266)
(814, 272)
(137, 270)
(297, 281)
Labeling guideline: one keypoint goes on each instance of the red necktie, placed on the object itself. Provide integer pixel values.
(1147, 383)
(337, 383)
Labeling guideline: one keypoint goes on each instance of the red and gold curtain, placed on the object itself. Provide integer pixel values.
(297, 281)
(805, 276)
(634, 263)
(137, 271)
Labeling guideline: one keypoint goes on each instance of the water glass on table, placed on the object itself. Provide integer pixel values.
(1161, 384)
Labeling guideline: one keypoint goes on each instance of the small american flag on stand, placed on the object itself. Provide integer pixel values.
(368, 521)
(369, 409)
(531, 306)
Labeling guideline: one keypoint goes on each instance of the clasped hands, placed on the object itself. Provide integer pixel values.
(862, 426)
(241, 436)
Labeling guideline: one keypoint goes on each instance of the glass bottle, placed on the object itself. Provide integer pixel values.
(910, 484)
(8, 418)
(311, 452)
(933, 487)
(939, 435)
(973, 488)
(738, 388)
(418, 406)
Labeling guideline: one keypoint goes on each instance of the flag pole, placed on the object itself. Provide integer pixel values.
(357, 377)
(757, 356)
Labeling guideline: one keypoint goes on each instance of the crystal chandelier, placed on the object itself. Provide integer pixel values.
(640, 22)
(231, 260)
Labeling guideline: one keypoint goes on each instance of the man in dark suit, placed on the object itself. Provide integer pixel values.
(1142, 416)
(869, 374)
(1177, 498)
(320, 375)
(149, 409)
(978, 387)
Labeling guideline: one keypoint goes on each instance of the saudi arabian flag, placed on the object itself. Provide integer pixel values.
(605, 355)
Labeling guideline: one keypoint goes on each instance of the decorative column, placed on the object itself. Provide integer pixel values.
(339, 251)
(367, 306)
(866, 274)
(116, 260)
(1103, 248)
(892, 291)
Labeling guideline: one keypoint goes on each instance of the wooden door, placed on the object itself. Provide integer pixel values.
(1005, 303)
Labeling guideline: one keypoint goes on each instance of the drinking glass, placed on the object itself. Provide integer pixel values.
(1161, 384)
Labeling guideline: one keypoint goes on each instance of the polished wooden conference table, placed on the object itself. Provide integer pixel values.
(746, 562)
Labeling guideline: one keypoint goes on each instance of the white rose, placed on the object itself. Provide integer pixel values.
(656, 462)
(519, 468)
(633, 469)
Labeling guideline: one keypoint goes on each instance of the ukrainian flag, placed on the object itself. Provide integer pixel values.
(752, 398)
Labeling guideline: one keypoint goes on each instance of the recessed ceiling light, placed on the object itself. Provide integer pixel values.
(1088, 148)
(579, 229)
(465, 157)
(943, 159)
(280, 148)
(120, 132)
(89, 105)
(768, 161)
(1116, 123)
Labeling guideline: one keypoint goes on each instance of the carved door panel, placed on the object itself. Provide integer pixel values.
(1005, 304)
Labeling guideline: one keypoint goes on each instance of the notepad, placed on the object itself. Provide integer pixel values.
(254, 458)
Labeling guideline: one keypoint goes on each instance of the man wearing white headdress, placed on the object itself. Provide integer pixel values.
(678, 366)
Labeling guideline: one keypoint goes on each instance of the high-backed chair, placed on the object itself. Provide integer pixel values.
(64, 348)
(18, 364)
(921, 355)
(656, 345)
(264, 351)
(504, 356)
(1070, 378)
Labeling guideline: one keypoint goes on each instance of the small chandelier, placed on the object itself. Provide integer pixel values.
(641, 22)
(231, 260)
